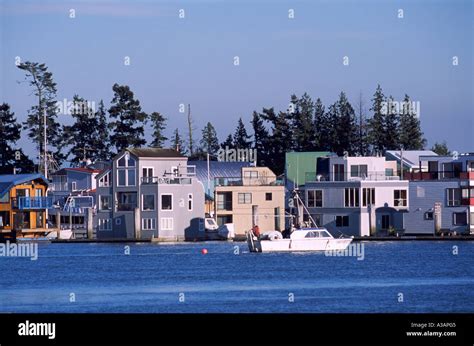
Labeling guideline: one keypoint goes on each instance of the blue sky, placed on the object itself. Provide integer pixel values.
(190, 60)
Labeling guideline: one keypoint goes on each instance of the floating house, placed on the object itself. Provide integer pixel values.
(23, 204)
(207, 172)
(441, 195)
(358, 196)
(255, 197)
(150, 193)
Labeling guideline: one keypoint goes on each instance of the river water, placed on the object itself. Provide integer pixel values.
(418, 276)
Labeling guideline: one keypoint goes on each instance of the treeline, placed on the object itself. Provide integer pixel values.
(306, 125)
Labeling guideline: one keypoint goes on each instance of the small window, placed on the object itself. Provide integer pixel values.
(251, 174)
(148, 224)
(166, 223)
(121, 177)
(400, 198)
(74, 186)
(245, 198)
(166, 202)
(190, 201)
(312, 235)
(148, 202)
(104, 203)
(268, 196)
(121, 162)
(460, 219)
(342, 221)
(453, 197)
(118, 221)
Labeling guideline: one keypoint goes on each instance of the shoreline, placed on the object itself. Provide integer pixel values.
(242, 239)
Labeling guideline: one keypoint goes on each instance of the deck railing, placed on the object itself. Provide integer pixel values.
(25, 203)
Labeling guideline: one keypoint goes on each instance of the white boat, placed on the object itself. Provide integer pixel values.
(302, 239)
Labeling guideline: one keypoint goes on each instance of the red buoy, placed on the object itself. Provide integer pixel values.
(204, 251)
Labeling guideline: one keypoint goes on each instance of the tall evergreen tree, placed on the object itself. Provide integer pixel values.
(44, 88)
(228, 143)
(411, 137)
(391, 126)
(346, 128)
(158, 122)
(82, 134)
(209, 142)
(280, 140)
(177, 142)
(102, 150)
(241, 138)
(260, 139)
(128, 126)
(376, 131)
(302, 121)
(331, 133)
(441, 149)
(362, 143)
(321, 125)
(11, 157)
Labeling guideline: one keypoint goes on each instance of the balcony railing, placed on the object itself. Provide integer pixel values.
(25, 203)
(166, 180)
(238, 181)
(445, 175)
(126, 206)
(349, 176)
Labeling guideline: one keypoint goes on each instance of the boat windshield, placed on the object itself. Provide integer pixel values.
(317, 234)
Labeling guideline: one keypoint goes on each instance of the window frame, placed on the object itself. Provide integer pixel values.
(161, 201)
(143, 201)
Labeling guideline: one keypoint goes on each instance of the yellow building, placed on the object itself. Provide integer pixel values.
(23, 203)
(257, 197)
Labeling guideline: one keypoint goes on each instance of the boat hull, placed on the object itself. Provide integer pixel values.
(297, 245)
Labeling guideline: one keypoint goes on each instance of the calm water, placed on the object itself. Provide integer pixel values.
(153, 276)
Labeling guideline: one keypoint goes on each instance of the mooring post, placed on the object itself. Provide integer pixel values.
(58, 223)
(137, 223)
(90, 226)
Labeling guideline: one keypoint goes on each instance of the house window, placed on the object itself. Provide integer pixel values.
(268, 196)
(245, 198)
(314, 198)
(73, 186)
(166, 202)
(147, 171)
(223, 219)
(342, 221)
(385, 221)
(126, 201)
(453, 197)
(420, 192)
(400, 198)
(472, 216)
(190, 201)
(338, 172)
(118, 221)
(148, 224)
(429, 215)
(460, 219)
(224, 201)
(38, 192)
(126, 175)
(105, 180)
(251, 174)
(104, 203)
(351, 197)
(368, 196)
(166, 223)
(105, 224)
(148, 202)
(359, 171)
(389, 172)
